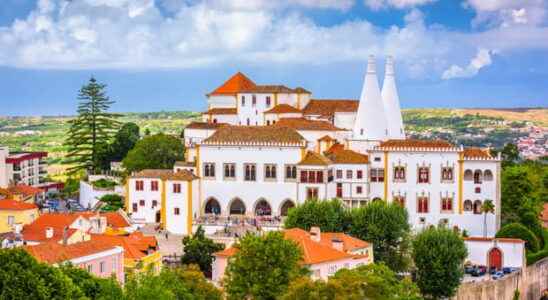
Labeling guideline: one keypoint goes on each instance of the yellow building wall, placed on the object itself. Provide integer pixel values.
(20, 216)
(153, 261)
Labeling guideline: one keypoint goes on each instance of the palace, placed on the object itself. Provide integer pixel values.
(262, 149)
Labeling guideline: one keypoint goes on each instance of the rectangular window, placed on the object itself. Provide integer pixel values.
(254, 100)
(348, 174)
(134, 207)
(141, 202)
(311, 193)
(359, 190)
(304, 176)
(319, 176)
(176, 188)
(270, 172)
(359, 174)
(377, 159)
(377, 175)
(250, 172)
(268, 101)
(139, 185)
(399, 174)
(446, 204)
(311, 176)
(330, 175)
(422, 204)
(447, 174)
(154, 185)
(102, 268)
(90, 268)
(243, 100)
(424, 174)
(339, 174)
(230, 171)
(209, 170)
(176, 211)
(290, 172)
(154, 203)
(339, 190)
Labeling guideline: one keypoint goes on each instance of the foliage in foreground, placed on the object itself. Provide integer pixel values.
(199, 250)
(439, 254)
(263, 267)
(330, 216)
(375, 282)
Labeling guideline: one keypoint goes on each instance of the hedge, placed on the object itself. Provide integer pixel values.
(517, 230)
(534, 257)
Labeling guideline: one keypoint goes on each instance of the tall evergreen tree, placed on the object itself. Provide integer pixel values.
(92, 130)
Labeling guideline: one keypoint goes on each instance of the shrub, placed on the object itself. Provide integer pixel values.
(104, 183)
(113, 202)
(517, 230)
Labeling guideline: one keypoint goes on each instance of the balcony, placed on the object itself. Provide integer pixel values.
(42, 162)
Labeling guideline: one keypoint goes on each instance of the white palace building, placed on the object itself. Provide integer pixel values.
(262, 149)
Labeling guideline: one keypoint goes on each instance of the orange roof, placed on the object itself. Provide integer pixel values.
(267, 89)
(53, 252)
(487, 239)
(347, 157)
(314, 159)
(544, 213)
(25, 190)
(411, 143)
(10, 204)
(136, 245)
(306, 124)
(227, 252)
(234, 85)
(301, 90)
(36, 231)
(336, 147)
(282, 109)
(114, 219)
(204, 125)
(328, 107)
(476, 153)
(349, 243)
(221, 111)
(164, 174)
(326, 138)
(255, 134)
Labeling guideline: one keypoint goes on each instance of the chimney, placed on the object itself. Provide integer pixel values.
(315, 234)
(391, 102)
(337, 244)
(65, 236)
(49, 232)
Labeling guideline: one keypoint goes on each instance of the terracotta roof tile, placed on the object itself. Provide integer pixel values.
(326, 138)
(36, 231)
(136, 245)
(53, 252)
(185, 164)
(328, 107)
(25, 190)
(10, 204)
(349, 243)
(164, 174)
(347, 157)
(255, 134)
(301, 90)
(334, 148)
(267, 89)
(234, 85)
(221, 111)
(412, 143)
(204, 125)
(476, 153)
(306, 124)
(282, 109)
(227, 252)
(314, 159)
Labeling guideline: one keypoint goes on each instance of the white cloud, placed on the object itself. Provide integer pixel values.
(482, 59)
(506, 13)
(399, 4)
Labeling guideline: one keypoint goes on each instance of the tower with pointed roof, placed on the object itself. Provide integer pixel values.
(370, 123)
(391, 102)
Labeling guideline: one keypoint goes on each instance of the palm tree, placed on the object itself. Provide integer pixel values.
(487, 207)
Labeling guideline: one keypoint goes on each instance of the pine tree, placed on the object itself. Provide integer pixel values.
(92, 130)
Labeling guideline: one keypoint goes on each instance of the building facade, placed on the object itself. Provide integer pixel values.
(28, 168)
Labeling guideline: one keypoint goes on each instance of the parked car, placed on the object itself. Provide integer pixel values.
(497, 275)
(508, 270)
(468, 269)
(479, 271)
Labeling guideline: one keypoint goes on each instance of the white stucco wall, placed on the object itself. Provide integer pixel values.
(513, 254)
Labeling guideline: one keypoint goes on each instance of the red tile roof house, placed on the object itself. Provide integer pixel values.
(100, 259)
(323, 252)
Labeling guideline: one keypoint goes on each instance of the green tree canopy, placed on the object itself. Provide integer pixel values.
(263, 267)
(328, 215)
(113, 202)
(519, 231)
(93, 287)
(124, 140)
(93, 128)
(516, 189)
(198, 249)
(387, 227)
(439, 254)
(157, 151)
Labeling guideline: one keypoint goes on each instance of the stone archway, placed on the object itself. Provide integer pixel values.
(286, 205)
(263, 208)
(212, 206)
(494, 258)
(236, 207)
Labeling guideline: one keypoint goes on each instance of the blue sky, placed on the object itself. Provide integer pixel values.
(167, 54)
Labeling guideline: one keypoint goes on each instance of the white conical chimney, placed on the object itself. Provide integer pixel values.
(370, 121)
(391, 102)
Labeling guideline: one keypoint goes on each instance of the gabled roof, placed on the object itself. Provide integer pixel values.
(301, 90)
(476, 153)
(326, 138)
(24, 190)
(204, 125)
(349, 243)
(10, 204)
(314, 159)
(306, 124)
(136, 245)
(282, 109)
(334, 148)
(234, 85)
(52, 252)
(221, 111)
(328, 107)
(164, 174)
(254, 135)
(347, 157)
(412, 143)
(36, 231)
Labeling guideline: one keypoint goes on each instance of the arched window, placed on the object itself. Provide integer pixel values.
(237, 207)
(424, 175)
(285, 207)
(478, 176)
(263, 208)
(487, 175)
(213, 207)
(468, 175)
(422, 204)
(446, 204)
(468, 206)
(477, 207)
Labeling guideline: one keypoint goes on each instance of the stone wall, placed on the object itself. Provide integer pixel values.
(531, 283)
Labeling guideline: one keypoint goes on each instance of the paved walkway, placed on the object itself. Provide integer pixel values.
(173, 244)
